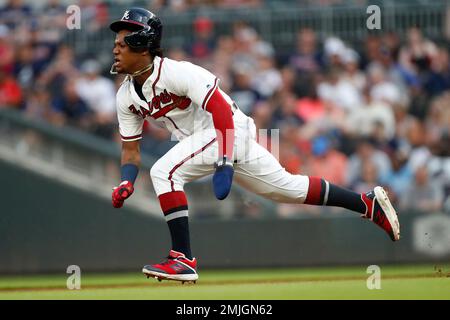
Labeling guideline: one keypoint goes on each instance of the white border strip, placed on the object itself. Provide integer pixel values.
(178, 214)
(327, 191)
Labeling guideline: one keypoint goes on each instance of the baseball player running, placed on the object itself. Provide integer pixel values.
(215, 137)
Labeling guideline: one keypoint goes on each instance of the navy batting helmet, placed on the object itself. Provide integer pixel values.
(145, 27)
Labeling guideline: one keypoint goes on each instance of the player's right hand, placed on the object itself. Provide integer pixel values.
(122, 192)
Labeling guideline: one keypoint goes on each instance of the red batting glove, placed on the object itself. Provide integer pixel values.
(122, 192)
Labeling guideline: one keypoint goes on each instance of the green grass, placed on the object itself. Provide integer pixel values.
(397, 282)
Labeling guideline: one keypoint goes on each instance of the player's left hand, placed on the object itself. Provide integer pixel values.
(122, 192)
(223, 177)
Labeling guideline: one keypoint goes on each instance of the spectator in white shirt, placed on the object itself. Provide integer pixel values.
(99, 94)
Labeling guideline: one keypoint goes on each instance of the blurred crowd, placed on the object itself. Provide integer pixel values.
(356, 114)
(42, 76)
(361, 115)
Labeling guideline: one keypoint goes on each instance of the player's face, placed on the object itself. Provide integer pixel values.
(125, 60)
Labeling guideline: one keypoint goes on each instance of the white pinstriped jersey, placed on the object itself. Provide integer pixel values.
(177, 93)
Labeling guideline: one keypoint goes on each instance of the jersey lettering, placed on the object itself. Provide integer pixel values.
(170, 101)
(173, 101)
(133, 109)
(156, 103)
(142, 112)
(165, 97)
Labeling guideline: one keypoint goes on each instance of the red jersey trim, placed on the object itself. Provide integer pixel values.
(157, 77)
(131, 138)
(208, 95)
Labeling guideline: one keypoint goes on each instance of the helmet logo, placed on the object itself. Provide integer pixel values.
(126, 15)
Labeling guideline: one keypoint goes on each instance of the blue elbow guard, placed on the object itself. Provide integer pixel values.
(222, 179)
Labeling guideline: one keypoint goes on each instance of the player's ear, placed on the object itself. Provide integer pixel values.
(145, 53)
